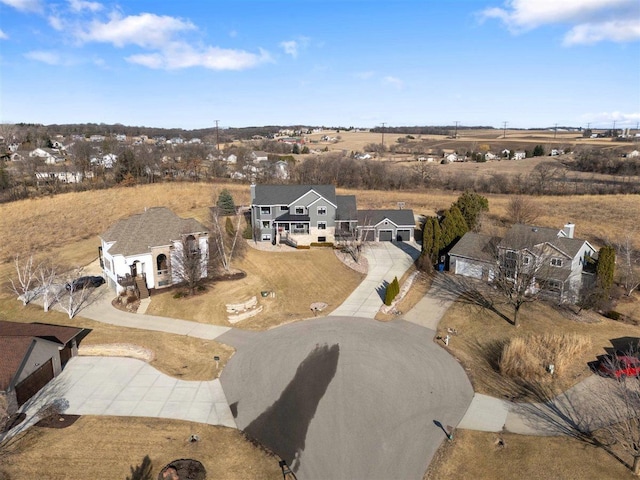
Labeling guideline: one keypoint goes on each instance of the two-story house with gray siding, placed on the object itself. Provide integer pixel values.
(300, 214)
(561, 262)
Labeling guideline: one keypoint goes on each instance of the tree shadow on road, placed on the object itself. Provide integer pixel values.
(283, 426)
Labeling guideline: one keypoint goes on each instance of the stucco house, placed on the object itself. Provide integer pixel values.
(305, 214)
(562, 262)
(31, 354)
(143, 251)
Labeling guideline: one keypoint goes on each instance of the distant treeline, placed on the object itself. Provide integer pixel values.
(426, 130)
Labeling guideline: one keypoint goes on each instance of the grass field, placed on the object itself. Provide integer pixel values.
(109, 447)
(478, 455)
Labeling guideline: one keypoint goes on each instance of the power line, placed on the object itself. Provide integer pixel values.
(504, 129)
(383, 125)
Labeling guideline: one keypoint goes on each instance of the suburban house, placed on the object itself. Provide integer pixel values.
(305, 214)
(144, 250)
(50, 155)
(258, 156)
(561, 262)
(31, 354)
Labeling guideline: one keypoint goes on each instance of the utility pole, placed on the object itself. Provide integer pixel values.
(217, 137)
(383, 125)
(504, 129)
(613, 132)
(455, 135)
(555, 131)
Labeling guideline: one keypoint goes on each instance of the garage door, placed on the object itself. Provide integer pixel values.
(386, 235)
(468, 269)
(403, 235)
(34, 382)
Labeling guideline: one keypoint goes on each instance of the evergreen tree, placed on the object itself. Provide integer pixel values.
(538, 151)
(226, 205)
(453, 227)
(606, 267)
(432, 240)
(471, 205)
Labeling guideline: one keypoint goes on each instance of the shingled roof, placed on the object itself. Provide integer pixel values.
(477, 247)
(287, 194)
(402, 218)
(155, 227)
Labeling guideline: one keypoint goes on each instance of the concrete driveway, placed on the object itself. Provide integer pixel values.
(348, 398)
(130, 387)
(386, 260)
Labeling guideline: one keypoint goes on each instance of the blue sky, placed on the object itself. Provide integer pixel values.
(531, 63)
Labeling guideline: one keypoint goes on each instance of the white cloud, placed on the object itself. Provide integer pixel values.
(48, 57)
(80, 5)
(144, 30)
(293, 47)
(616, 20)
(3, 36)
(24, 5)
(393, 81)
(181, 55)
(290, 47)
(607, 118)
(616, 31)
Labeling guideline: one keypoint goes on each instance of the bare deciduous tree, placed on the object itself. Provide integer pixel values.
(47, 278)
(522, 209)
(224, 242)
(72, 298)
(25, 283)
(189, 262)
(629, 263)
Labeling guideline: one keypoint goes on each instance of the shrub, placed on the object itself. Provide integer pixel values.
(613, 315)
(322, 244)
(527, 358)
(247, 233)
(303, 247)
(178, 294)
(393, 289)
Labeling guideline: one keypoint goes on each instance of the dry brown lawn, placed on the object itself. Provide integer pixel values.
(109, 447)
(481, 335)
(297, 277)
(477, 456)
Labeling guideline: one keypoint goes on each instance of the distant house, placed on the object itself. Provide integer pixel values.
(61, 176)
(50, 155)
(107, 161)
(142, 250)
(32, 354)
(490, 156)
(561, 261)
(232, 159)
(258, 156)
(519, 155)
(97, 138)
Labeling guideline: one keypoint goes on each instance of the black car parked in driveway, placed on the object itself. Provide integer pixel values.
(85, 282)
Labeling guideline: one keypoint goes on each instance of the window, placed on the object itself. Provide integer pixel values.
(556, 262)
(265, 210)
(266, 237)
(299, 210)
(322, 225)
(161, 263)
(322, 210)
(266, 224)
(322, 239)
(526, 259)
(284, 208)
(554, 286)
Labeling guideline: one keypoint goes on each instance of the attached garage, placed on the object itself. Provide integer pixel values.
(468, 268)
(369, 235)
(385, 235)
(34, 382)
(403, 235)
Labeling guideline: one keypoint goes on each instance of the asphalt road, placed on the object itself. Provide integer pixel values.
(344, 397)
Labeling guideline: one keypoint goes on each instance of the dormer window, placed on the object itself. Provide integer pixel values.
(556, 262)
(299, 210)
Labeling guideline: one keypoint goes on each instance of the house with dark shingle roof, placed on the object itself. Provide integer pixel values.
(562, 262)
(305, 214)
(142, 248)
(31, 354)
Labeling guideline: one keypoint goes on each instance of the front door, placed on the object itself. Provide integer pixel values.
(134, 269)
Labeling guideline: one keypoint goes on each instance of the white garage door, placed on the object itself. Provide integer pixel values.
(468, 269)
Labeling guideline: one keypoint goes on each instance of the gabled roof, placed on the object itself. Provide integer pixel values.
(287, 194)
(401, 218)
(347, 209)
(526, 236)
(477, 247)
(16, 339)
(155, 227)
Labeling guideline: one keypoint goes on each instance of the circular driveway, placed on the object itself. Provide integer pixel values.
(344, 397)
